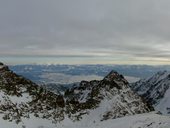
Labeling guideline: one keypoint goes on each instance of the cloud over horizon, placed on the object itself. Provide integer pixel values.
(131, 30)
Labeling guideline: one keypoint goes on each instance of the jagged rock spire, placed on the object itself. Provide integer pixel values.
(115, 76)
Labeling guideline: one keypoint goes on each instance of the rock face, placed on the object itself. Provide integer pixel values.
(100, 100)
(155, 90)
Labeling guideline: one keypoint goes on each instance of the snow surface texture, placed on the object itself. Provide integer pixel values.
(156, 90)
(148, 120)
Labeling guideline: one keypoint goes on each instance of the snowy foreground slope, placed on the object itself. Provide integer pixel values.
(156, 90)
(147, 120)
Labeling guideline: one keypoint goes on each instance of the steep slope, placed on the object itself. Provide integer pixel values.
(156, 90)
(106, 99)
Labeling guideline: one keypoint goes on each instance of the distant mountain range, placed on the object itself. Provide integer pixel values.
(67, 74)
(89, 104)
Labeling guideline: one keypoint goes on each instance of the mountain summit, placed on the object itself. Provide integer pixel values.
(115, 76)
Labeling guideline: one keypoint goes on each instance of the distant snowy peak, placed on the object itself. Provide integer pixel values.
(155, 90)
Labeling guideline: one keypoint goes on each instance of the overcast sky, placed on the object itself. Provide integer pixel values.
(85, 31)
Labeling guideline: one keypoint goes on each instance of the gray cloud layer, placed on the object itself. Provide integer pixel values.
(131, 29)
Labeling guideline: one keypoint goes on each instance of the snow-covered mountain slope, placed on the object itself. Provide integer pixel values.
(23, 104)
(156, 90)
